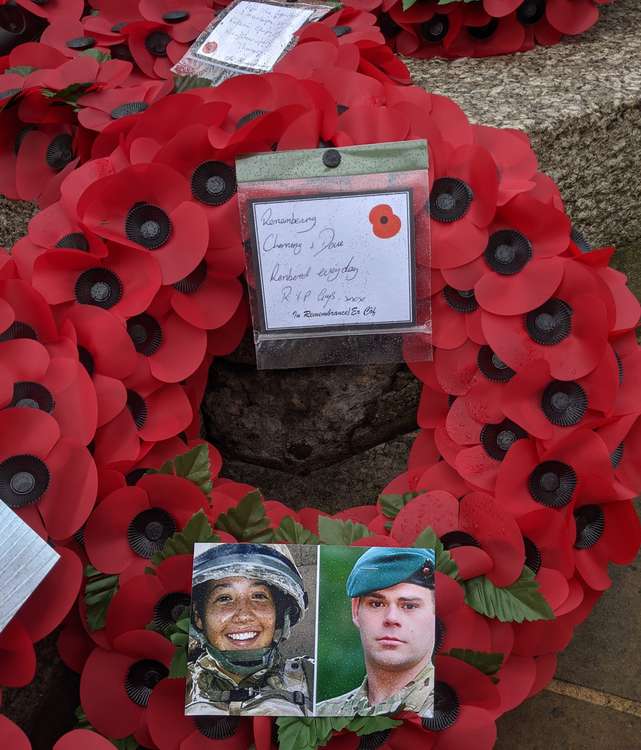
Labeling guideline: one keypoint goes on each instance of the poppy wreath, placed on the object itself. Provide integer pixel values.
(479, 28)
(128, 286)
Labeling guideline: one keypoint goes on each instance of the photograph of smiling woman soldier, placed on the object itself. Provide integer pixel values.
(246, 601)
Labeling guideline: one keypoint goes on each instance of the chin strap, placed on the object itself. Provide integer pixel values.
(244, 662)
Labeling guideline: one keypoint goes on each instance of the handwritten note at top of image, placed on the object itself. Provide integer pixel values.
(254, 35)
(335, 260)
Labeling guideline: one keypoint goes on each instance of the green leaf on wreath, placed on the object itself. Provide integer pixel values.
(99, 591)
(444, 561)
(519, 602)
(292, 532)
(197, 529)
(21, 70)
(247, 522)
(82, 722)
(128, 743)
(193, 465)
(178, 634)
(407, 4)
(336, 531)
(309, 734)
(487, 662)
(185, 83)
(97, 55)
(391, 505)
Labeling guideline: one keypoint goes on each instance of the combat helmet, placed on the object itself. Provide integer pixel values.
(269, 563)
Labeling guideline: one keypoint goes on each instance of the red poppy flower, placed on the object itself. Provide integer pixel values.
(464, 702)
(569, 330)
(52, 600)
(82, 739)
(484, 445)
(168, 347)
(106, 351)
(115, 686)
(153, 48)
(24, 314)
(124, 282)
(483, 539)
(158, 600)
(549, 409)
(227, 338)
(535, 479)
(99, 109)
(456, 316)
(133, 523)
(520, 268)
(53, 10)
(45, 158)
(17, 656)
(425, 31)
(484, 36)
(627, 354)
(622, 438)
(52, 380)
(73, 644)
(605, 532)
(149, 206)
(457, 624)
(572, 16)
(49, 481)
(12, 736)
(462, 204)
(170, 729)
(68, 37)
(153, 411)
(184, 24)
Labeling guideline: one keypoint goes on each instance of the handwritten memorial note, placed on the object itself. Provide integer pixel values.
(335, 260)
(254, 35)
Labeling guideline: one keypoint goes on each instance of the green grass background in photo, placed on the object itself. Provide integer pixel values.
(340, 665)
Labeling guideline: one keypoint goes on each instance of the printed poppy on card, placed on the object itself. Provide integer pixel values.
(385, 223)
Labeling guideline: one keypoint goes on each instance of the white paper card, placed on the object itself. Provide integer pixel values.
(337, 260)
(254, 35)
(25, 559)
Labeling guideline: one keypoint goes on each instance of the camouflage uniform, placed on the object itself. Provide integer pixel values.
(417, 696)
(282, 690)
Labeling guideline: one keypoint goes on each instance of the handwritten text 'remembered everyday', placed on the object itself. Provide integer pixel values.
(335, 260)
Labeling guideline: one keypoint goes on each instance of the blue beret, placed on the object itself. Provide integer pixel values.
(382, 567)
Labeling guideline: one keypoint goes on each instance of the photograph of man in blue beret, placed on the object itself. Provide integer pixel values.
(392, 606)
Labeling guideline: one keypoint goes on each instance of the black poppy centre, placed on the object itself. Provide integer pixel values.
(533, 557)
(149, 530)
(497, 439)
(23, 480)
(148, 225)
(462, 301)
(590, 525)
(29, 395)
(551, 323)
(450, 199)
(168, 610)
(193, 281)
(60, 152)
(73, 241)
(446, 708)
(454, 539)
(564, 403)
(99, 287)
(137, 408)
(145, 333)
(213, 183)
(156, 43)
(435, 30)
(552, 484)
(215, 728)
(142, 677)
(18, 330)
(485, 31)
(492, 366)
(531, 11)
(508, 252)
